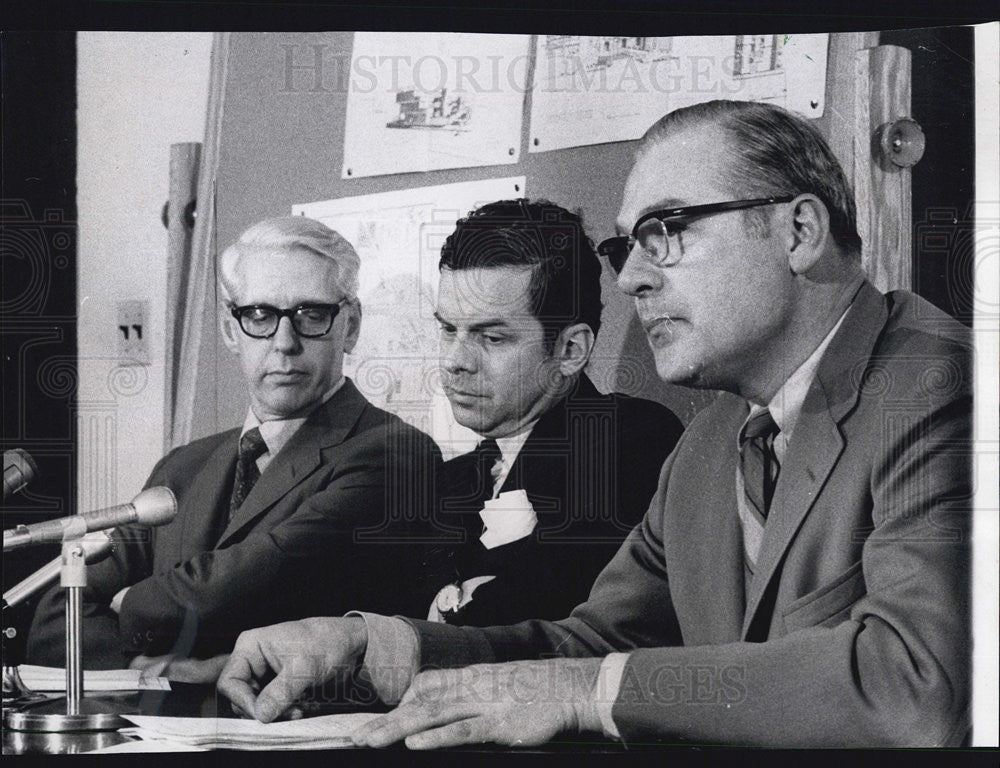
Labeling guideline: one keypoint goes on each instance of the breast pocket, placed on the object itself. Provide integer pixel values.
(830, 604)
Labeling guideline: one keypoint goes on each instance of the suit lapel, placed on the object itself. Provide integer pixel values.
(817, 442)
(209, 491)
(709, 540)
(328, 425)
(540, 466)
(812, 453)
(541, 463)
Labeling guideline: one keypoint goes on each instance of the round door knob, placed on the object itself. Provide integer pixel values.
(901, 142)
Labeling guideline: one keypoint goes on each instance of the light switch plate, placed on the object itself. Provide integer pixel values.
(132, 333)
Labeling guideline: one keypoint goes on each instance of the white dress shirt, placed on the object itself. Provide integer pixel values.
(277, 432)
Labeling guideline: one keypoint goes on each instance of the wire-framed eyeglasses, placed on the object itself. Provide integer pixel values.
(310, 321)
(658, 233)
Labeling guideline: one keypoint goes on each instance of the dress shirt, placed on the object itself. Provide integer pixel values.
(510, 446)
(277, 432)
(785, 407)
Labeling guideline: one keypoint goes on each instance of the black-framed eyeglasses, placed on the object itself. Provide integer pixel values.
(658, 233)
(310, 321)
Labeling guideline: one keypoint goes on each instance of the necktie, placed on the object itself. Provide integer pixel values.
(487, 454)
(757, 459)
(252, 447)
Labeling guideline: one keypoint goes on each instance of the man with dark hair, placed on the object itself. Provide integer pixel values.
(563, 472)
(802, 575)
(302, 511)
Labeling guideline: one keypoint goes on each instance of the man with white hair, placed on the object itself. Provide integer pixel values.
(298, 513)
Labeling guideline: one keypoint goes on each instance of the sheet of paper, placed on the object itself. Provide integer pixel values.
(428, 100)
(324, 732)
(54, 679)
(597, 89)
(398, 236)
(141, 745)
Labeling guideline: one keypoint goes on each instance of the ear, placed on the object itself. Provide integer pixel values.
(808, 233)
(230, 330)
(352, 318)
(573, 347)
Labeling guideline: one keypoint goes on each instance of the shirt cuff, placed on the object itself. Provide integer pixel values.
(392, 655)
(116, 601)
(609, 680)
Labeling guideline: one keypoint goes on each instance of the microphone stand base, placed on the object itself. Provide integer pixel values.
(96, 714)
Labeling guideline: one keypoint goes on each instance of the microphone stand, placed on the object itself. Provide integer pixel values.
(81, 713)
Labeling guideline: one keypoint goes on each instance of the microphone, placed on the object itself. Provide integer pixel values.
(96, 546)
(153, 506)
(19, 469)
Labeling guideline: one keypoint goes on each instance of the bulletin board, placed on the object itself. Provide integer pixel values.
(276, 131)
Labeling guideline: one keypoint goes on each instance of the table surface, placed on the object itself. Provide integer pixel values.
(187, 700)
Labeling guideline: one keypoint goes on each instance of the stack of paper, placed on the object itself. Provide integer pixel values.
(134, 746)
(54, 679)
(324, 732)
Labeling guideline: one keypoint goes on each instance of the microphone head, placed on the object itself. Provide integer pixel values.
(19, 469)
(155, 506)
(20, 458)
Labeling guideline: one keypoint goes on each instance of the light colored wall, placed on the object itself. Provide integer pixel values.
(137, 93)
(282, 145)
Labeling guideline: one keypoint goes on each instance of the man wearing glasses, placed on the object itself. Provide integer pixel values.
(298, 513)
(802, 575)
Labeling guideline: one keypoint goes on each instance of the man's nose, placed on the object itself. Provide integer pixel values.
(458, 356)
(285, 338)
(638, 276)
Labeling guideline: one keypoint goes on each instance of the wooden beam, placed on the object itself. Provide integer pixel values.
(837, 122)
(183, 189)
(882, 189)
(201, 282)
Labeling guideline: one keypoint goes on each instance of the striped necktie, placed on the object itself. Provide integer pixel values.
(252, 447)
(759, 462)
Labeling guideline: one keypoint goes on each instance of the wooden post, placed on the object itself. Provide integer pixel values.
(838, 123)
(883, 190)
(183, 190)
(203, 252)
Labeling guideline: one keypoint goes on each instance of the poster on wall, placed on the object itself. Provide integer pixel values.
(593, 90)
(427, 101)
(398, 236)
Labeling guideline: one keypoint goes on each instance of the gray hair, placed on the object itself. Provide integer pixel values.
(772, 152)
(287, 233)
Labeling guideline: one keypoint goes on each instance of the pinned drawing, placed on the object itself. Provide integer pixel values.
(594, 90)
(434, 111)
(428, 101)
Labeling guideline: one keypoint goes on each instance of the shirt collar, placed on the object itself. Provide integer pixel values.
(787, 402)
(277, 432)
(511, 445)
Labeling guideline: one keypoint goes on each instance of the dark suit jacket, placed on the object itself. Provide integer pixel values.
(589, 469)
(856, 627)
(324, 530)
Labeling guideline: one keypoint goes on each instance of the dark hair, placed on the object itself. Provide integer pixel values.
(774, 152)
(565, 285)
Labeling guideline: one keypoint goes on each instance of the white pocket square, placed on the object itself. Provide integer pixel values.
(507, 518)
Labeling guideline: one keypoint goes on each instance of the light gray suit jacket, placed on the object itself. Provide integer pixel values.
(855, 629)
